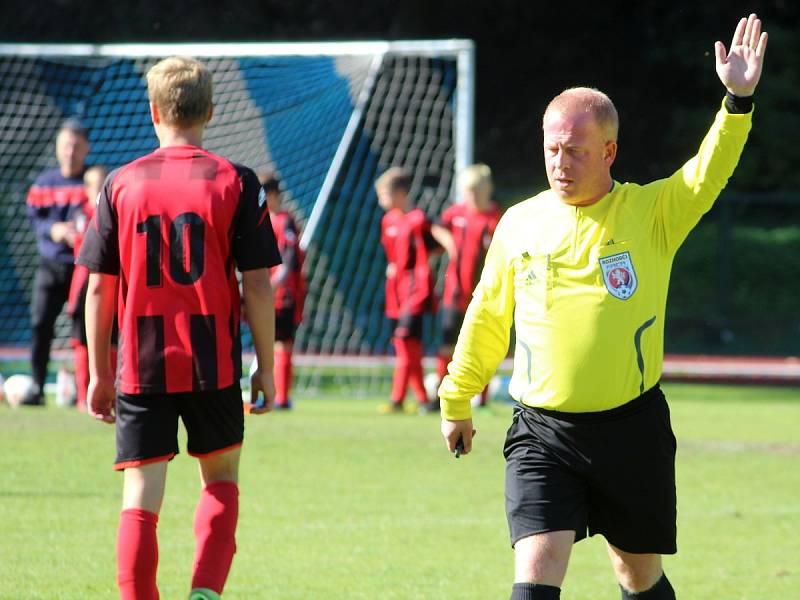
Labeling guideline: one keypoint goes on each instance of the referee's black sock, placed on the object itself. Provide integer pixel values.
(662, 590)
(534, 591)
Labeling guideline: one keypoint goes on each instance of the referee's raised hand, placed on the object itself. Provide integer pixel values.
(739, 68)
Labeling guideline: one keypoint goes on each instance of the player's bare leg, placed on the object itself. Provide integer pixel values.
(215, 523)
(540, 563)
(220, 467)
(144, 487)
(137, 541)
(638, 573)
(443, 357)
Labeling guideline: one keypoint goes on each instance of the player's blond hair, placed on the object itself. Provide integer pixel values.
(182, 90)
(476, 177)
(394, 178)
(592, 101)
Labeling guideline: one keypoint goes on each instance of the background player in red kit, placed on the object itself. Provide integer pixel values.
(407, 241)
(93, 179)
(289, 285)
(465, 230)
(168, 230)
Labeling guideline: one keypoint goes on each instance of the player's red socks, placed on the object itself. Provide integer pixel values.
(400, 377)
(408, 370)
(81, 357)
(283, 377)
(137, 555)
(441, 366)
(215, 534)
(415, 373)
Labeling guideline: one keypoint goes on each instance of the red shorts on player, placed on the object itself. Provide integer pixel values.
(147, 425)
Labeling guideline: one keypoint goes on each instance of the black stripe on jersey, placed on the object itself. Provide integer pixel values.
(204, 352)
(150, 357)
(203, 167)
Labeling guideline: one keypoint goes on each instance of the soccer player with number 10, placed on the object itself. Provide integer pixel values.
(168, 230)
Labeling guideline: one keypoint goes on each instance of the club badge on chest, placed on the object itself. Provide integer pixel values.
(619, 275)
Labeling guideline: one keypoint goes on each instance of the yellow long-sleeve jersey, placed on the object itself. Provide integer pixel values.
(586, 287)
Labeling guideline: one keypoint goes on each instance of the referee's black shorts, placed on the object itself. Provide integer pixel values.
(147, 425)
(610, 472)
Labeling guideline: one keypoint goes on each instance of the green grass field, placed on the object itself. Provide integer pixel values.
(339, 502)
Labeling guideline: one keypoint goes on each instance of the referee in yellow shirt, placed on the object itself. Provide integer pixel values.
(582, 271)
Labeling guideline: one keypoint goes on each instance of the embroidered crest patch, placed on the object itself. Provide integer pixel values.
(619, 275)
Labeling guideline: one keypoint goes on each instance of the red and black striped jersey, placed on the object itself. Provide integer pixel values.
(287, 279)
(472, 230)
(173, 225)
(407, 241)
(80, 276)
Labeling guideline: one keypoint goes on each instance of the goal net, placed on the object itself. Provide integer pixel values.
(327, 118)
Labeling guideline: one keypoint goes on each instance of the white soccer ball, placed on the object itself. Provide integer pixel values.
(431, 383)
(17, 389)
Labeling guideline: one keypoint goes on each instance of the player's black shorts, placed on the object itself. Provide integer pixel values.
(451, 321)
(284, 324)
(408, 326)
(147, 425)
(609, 472)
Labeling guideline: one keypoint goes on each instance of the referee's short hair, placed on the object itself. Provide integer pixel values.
(592, 101)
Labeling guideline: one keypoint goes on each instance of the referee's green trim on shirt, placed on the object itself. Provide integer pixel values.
(637, 342)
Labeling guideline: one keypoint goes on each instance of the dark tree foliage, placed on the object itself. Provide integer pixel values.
(654, 58)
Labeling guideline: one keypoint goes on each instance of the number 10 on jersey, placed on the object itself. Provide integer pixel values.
(184, 248)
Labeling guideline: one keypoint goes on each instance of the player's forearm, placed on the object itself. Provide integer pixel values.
(100, 307)
(444, 238)
(259, 302)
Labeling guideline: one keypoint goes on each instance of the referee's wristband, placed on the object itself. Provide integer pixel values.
(738, 105)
